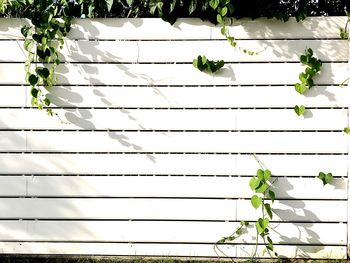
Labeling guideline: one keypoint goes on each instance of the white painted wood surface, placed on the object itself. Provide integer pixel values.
(167, 74)
(182, 51)
(181, 120)
(151, 150)
(171, 164)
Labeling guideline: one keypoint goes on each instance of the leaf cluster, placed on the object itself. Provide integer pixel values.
(204, 64)
(42, 41)
(313, 66)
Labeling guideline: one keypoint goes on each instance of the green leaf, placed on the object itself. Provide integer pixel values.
(109, 4)
(325, 178)
(192, 6)
(260, 174)
(254, 183)
(300, 88)
(299, 110)
(272, 196)
(47, 102)
(25, 30)
(268, 210)
(38, 38)
(262, 188)
(347, 130)
(34, 92)
(214, 3)
(172, 6)
(43, 72)
(261, 225)
(28, 45)
(256, 201)
(223, 11)
(219, 19)
(267, 175)
(33, 79)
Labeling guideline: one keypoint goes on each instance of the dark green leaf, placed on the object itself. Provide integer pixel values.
(299, 110)
(34, 92)
(272, 196)
(268, 210)
(43, 72)
(33, 79)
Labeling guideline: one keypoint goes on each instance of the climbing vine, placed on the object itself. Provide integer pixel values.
(42, 41)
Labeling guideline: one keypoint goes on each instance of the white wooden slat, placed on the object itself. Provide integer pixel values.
(207, 97)
(167, 250)
(168, 74)
(102, 208)
(188, 28)
(183, 51)
(300, 251)
(168, 209)
(16, 141)
(175, 186)
(260, 142)
(166, 231)
(128, 119)
(269, 50)
(302, 211)
(78, 51)
(15, 96)
(175, 164)
(13, 186)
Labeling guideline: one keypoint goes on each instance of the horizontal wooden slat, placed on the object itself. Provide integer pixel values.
(166, 231)
(303, 211)
(167, 250)
(125, 119)
(184, 51)
(16, 96)
(168, 74)
(178, 186)
(129, 28)
(168, 209)
(192, 164)
(261, 142)
(206, 97)
(269, 50)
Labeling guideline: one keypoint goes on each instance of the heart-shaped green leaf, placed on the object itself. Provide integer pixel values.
(299, 110)
(347, 130)
(254, 183)
(300, 88)
(33, 79)
(256, 201)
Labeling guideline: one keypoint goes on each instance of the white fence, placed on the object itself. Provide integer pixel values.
(155, 158)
